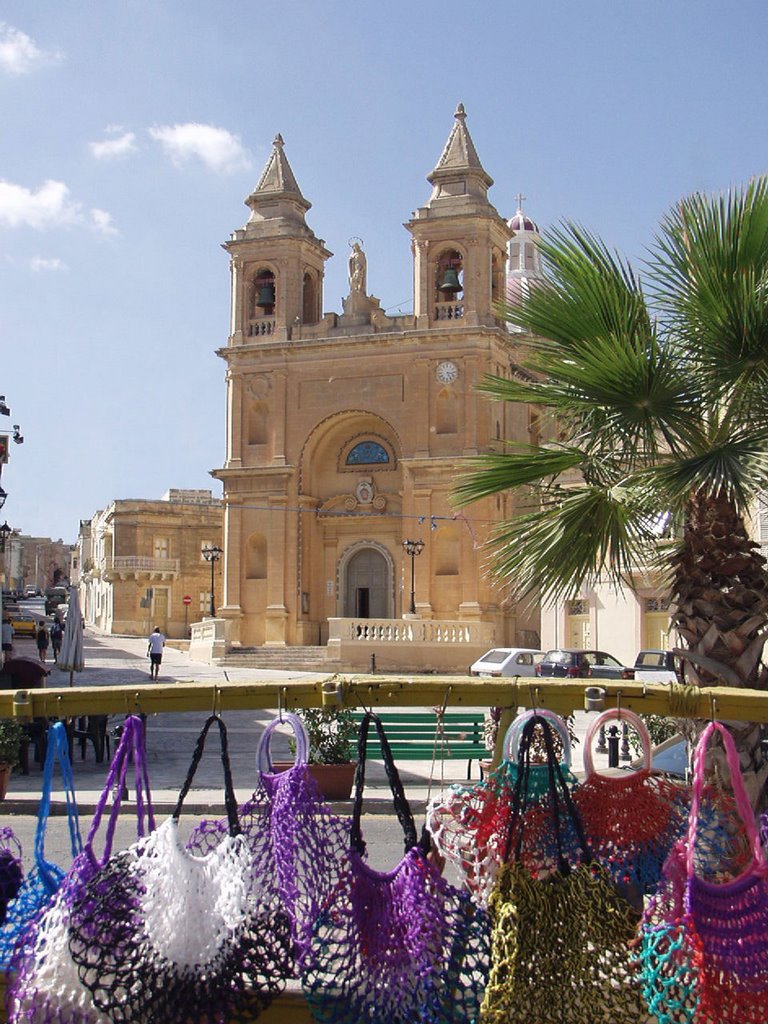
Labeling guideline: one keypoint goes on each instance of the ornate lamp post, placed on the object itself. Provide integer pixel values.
(412, 549)
(212, 555)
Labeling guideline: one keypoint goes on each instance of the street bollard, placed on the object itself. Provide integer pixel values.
(613, 747)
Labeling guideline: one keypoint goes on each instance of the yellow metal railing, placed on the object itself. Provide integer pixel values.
(723, 703)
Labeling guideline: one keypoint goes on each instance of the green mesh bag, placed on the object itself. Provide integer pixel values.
(560, 950)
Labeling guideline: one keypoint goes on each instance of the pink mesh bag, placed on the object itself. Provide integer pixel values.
(704, 942)
(396, 947)
(44, 986)
(297, 843)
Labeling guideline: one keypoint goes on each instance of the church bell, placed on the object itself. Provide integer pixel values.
(266, 296)
(451, 281)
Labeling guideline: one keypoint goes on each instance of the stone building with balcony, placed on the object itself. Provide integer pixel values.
(346, 432)
(141, 563)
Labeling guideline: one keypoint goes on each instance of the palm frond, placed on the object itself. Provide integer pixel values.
(709, 278)
(583, 536)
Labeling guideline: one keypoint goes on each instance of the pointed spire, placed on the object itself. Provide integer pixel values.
(459, 156)
(277, 180)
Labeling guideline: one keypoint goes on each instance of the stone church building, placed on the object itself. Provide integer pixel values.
(346, 431)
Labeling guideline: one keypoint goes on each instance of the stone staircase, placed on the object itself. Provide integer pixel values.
(300, 659)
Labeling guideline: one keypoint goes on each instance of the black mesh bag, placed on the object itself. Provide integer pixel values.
(161, 935)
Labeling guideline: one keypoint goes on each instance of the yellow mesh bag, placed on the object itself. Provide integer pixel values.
(560, 950)
(560, 943)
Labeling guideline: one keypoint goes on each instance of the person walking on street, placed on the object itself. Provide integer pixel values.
(155, 652)
(42, 641)
(57, 634)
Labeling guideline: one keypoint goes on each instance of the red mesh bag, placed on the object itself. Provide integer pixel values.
(470, 824)
(630, 820)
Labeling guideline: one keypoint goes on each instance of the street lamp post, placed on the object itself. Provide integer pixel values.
(412, 549)
(212, 555)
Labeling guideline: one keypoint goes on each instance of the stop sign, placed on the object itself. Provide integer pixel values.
(187, 599)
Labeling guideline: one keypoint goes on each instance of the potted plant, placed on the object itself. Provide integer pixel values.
(11, 736)
(332, 733)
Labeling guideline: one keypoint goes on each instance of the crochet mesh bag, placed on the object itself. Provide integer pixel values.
(164, 936)
(11, 870)
(631, 821)
(704, 943)
(469, 824)
(296, 842)
(42, 882)
(44, 985)
(401, 947)
(560, 942)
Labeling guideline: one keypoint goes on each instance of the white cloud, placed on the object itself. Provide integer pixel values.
(218, 149)
(50, 206)
(19, 54)
(102, 222)
(111, 149)
(38, 263)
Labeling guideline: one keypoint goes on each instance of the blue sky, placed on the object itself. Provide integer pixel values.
(130, 134)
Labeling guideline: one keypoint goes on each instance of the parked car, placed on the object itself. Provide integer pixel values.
(672, 757)
(24, 625)
(507, 661)
(655, 667)
(577, 664)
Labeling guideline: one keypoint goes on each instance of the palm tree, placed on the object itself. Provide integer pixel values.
(655, 392)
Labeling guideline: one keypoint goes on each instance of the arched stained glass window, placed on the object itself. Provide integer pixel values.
(367, 453)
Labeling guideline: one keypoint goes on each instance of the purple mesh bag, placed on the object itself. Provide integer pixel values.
(297, 843)
(704, 951)
(44, 985)
(162, 935)
(398, 946)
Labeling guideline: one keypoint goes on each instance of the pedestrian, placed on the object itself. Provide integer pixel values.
(7, 637)
(155, 652)
(57, 635)
(42, 641)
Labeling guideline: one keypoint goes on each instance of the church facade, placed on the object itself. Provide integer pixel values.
(346, 431)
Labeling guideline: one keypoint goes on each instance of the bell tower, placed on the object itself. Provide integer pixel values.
(459, 240)
(277, 262)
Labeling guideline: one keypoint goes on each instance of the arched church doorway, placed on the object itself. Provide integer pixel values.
(367, 585)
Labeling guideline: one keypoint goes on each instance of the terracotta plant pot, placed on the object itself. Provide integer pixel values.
(335, 780)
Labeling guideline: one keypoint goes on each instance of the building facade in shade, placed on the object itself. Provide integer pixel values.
(140, 559)
(346, 431)
(37, 562)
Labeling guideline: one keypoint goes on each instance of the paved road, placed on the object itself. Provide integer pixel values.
(170, 740)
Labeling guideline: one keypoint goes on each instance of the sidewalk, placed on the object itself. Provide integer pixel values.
(111, 660)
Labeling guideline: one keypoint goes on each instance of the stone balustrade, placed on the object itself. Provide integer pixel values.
(449, 310)
(399, 631)
(124, 566)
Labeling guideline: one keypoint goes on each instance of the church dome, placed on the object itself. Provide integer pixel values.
(520, 222)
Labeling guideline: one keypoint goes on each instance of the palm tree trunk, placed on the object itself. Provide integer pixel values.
(720, 593)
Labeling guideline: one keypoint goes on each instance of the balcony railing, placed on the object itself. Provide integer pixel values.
(260, 327)
(449, 310)
(133, 564)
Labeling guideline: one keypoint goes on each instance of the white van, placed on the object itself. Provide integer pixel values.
(507, 661)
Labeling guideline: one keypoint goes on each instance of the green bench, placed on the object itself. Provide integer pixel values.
(414, 736)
